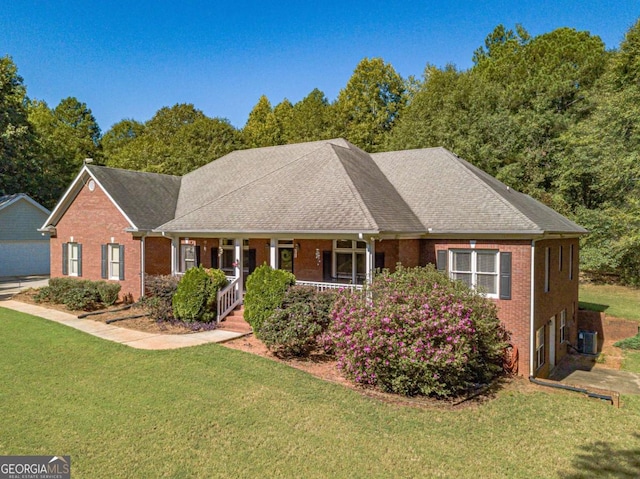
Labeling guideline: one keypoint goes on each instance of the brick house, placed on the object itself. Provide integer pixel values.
(331, 214)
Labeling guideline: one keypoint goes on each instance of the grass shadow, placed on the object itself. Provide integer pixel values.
(600, 308)
(600, 459)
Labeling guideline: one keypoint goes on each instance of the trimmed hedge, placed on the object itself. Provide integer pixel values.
(265, 291)
(293, 328)
(196, 296)
(79, 294)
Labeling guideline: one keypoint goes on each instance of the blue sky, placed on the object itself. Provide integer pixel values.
(129, 59)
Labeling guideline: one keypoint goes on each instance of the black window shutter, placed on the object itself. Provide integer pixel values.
(104, 263)
(197, 248)
(214, 258)
(441, 260)
(79, 259)
(379, 261)
(505, 275)
(326, 266)
(65, 258)
(121, 262)
(252, 260)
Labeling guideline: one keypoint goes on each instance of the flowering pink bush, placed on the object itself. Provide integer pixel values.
(415, 331)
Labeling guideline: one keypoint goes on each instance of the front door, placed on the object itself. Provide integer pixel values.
(285, 259)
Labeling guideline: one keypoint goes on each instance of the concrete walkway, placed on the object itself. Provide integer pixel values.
(130, 337)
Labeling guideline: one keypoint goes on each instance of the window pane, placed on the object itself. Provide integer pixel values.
(189, 253)
(461, 261)
(114, 253)
(464, 277)
(344, 244)
(115, 270)
(486, 262)
(227, 242)
(344, 265)
(361, 245)
(488, 283)
(227, 259)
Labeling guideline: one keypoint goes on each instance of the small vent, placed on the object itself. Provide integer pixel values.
(588, 342)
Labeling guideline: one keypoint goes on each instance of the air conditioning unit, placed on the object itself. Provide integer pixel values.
(588, 342)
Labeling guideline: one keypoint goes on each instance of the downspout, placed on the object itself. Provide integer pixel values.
(142, 264)
(532, 333)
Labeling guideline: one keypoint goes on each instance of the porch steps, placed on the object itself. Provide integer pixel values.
(235, 321)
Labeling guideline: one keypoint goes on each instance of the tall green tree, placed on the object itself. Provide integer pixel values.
(175, 141)
(311, 119)
(66, 136)
(369, 106)
(262, 127)
(19, 169)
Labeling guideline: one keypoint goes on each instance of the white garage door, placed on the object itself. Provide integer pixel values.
(23, 258)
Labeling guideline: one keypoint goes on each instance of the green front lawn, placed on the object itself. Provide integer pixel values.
(615, 300)
(213, 412)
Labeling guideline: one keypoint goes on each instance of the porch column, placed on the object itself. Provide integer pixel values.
(174, 255)
(370, 259)
(238, 269)
(273, 253)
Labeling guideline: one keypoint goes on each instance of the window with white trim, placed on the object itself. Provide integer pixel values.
(73, 259)
(540, 347)
(188, 257)
(478, 269)
(349, 260)
(115, 261)
(227, 255)
(564, 336)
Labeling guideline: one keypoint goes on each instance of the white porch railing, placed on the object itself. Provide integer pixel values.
(320, 286)
(228, 298)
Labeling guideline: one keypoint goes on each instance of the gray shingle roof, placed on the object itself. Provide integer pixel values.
(329, 187)
(449, 195)
(324, 186)
(148, 199)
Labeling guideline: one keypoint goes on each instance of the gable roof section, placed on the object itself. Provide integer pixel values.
(8, 200)
(325, 186)
(147, 199)
(449, 195)
(144, 199)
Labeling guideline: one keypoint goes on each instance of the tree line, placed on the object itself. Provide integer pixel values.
(556, 116)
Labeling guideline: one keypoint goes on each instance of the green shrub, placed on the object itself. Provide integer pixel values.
(108, 292)
(57, 289)
(84, 296)
(265, 290)
(159, 291)
(195, 298)
(293, 329)
(417, 332)
(629, 343)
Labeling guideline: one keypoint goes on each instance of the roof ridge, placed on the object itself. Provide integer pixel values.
(465, 164)
(353, 188)
(90, 167)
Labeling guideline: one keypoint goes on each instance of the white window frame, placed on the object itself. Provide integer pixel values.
(560, 257)
(111, 248)
(73, 260)
(540, 340)
(474, 268)
(563, 326)
(357, 248)
(183, 261)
